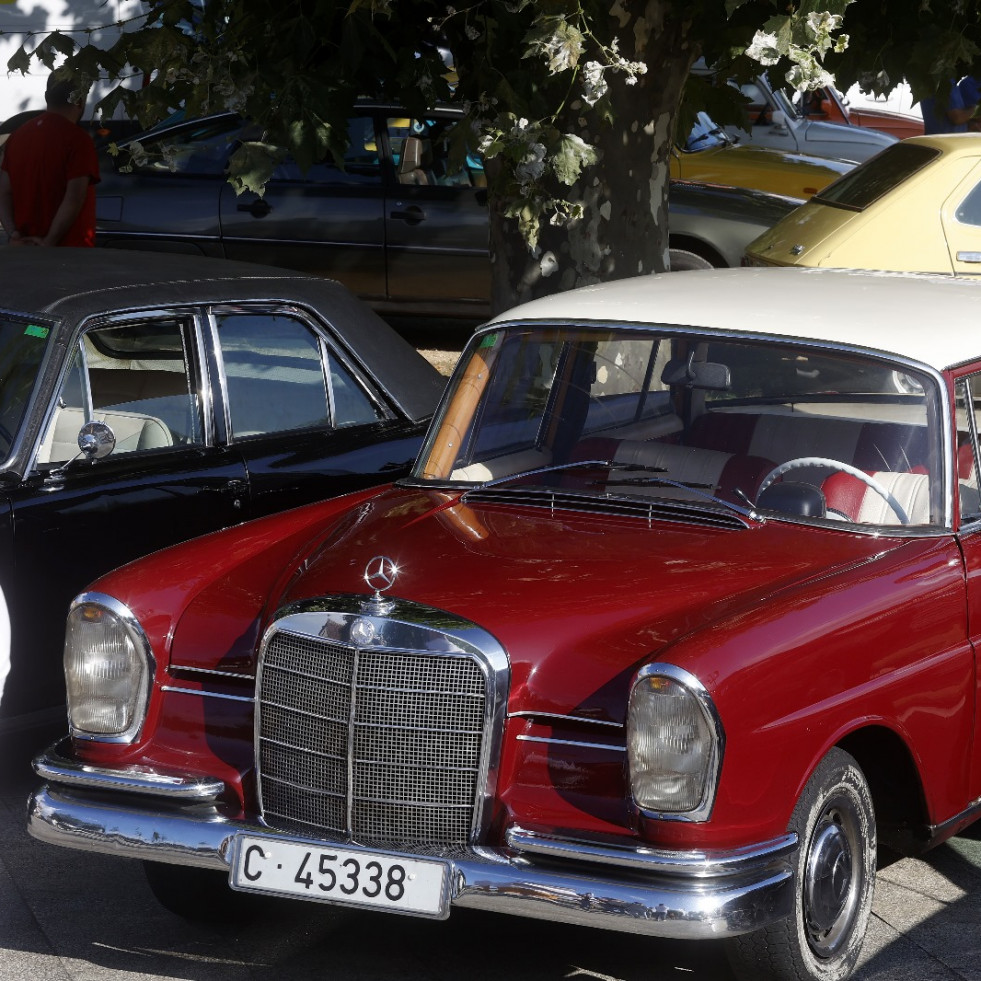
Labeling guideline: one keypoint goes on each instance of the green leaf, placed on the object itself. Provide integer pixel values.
(251, 166)
(20, 61)
(571, 156)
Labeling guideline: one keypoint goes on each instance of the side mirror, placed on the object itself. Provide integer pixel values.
(96, 440)
(779, 119)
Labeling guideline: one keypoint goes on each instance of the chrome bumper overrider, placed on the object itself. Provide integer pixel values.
(683, 895)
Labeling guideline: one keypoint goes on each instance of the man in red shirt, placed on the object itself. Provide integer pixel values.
(48, 175)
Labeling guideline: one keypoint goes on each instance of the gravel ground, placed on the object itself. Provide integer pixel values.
(439, 341)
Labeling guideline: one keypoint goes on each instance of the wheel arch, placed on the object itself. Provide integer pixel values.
(688, 244)
(901, 814)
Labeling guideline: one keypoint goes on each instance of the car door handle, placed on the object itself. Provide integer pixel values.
(969, 256)
(258, 208)
(412, 215)
(238, 488)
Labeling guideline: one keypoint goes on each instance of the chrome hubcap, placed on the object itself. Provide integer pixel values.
(829, 885)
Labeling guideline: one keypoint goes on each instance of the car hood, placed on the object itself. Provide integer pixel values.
(578, 601)
(794, 174)
(820, 131)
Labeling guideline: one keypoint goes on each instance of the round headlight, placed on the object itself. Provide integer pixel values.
(674, 743)
(108, 669)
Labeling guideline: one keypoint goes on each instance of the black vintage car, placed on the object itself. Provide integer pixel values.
(148, 399)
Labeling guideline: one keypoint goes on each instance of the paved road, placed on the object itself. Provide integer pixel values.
(70, 916)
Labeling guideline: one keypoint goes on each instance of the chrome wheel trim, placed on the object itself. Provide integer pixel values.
(831, 885)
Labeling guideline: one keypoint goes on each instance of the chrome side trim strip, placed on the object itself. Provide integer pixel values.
(207, 694)
(689, 903)
(58, 768)
(557, 717)
(571, 742)
(213, 671)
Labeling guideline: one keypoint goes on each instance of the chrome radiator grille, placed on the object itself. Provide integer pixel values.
(371, 744)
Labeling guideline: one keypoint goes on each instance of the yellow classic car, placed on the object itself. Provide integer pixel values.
(710, 156)
(916, 207)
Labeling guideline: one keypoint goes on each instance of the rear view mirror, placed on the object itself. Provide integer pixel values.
(709, 375)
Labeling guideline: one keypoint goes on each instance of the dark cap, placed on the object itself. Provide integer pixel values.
(62, 88)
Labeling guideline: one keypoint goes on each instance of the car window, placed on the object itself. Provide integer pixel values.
(199, 150)
(876, 177)
(361, 165)
(969, 210)
(705, 133)
(755, 94)
(139, 379)
(421, 154)
(22, 347)
(281, 376)
(968, 414)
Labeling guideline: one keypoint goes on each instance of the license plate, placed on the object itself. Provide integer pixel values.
(337, 875)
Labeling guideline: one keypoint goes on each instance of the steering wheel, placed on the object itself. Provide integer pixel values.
(823, 461)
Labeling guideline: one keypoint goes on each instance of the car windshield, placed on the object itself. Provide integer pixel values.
(705, 133)
(786, 104)
(658, 413)
(884, 172)
(22, 346)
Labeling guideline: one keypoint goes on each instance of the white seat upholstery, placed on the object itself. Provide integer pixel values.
(847, 496)
(686, 464)
(133, 431)
(911, 490)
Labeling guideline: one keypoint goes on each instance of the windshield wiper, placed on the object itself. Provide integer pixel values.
(554, 468)
(698, 489)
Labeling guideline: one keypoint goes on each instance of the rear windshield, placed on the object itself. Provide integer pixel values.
(867, 183)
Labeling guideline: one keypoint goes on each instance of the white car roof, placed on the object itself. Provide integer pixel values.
(930, 319)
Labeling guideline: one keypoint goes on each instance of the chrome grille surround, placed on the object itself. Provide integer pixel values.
(376, 728)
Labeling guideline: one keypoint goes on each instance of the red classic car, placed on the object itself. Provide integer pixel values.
(829, 104)
(670, 628)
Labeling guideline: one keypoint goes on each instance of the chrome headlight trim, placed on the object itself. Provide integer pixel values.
(703, 811)
(142, 700)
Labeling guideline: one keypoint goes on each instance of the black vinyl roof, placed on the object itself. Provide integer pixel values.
(70, 285)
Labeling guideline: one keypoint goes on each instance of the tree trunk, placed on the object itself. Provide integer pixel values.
(624, 228)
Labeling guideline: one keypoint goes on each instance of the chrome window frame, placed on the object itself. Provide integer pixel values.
(195, 372)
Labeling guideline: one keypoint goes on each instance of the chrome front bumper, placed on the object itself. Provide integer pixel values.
(681, 895)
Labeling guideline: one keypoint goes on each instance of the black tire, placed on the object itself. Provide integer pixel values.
(202, 894)
(682, 259)
(835, 876)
